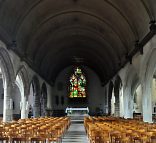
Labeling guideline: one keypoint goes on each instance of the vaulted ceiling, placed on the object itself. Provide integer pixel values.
(53, 34)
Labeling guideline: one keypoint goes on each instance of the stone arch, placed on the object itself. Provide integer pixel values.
(16, 98)
(136, 92)
(22, 82)
(117, 86)
(149, 68)
(130, 85)
(6, 67)
(110, 90)
(8, 81)
(35, 97)
(22, 72)
(137, 100)
(43, 100)
(135, 84)
(36, 85)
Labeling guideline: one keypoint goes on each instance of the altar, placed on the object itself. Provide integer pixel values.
(77, 113)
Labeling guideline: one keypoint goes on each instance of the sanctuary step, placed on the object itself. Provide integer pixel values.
(75, 134)
(77, 118)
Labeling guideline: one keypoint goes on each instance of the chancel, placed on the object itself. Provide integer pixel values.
(78, 71)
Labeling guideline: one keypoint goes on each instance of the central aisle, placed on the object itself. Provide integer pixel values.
(76, 134)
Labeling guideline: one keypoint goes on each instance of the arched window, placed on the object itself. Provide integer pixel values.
(77, 84)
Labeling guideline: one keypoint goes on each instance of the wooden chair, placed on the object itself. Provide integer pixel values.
(19, 139)
(4, 139)
(38, 139)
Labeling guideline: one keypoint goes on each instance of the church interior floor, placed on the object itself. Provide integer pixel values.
(75, 134)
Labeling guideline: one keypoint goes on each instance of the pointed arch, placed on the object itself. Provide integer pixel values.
(43, 99)
(148, 69)
(8, 77)
(117, 83)
(117, 88)
(6, 67)
(131, 81)
(35, 85)
(22, 72)
(22, 82)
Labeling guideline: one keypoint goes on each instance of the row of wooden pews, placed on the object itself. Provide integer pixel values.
(45, 129)
(119, 130)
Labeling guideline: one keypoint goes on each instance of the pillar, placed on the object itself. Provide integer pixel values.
(109, 105)
(147, 104)
(117, 105)
(8, 103)
(121, 103)
(128, 103)
(36, 106)
(44, 105)
(24, 108)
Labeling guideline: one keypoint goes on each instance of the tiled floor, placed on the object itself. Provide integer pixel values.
(75, 134)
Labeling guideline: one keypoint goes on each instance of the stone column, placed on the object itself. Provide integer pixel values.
(130, 106)
(50, 99)
(43, 106)
(128, 103)
(27, 109)
(42, 101)
(8, 104)
(24, 108)
(121, 106)
(105, 110)
(147, 104)
(112, 104)
(36, 106)
(125, 105)
(109, 105)
(117, 108)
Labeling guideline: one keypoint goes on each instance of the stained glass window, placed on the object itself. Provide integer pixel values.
(77, 84)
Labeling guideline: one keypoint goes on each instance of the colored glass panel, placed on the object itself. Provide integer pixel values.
(77, 84)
